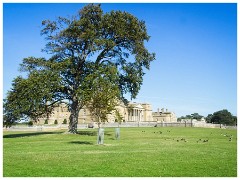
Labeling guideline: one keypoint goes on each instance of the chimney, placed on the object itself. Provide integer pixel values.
(166, 110)
(162, 109)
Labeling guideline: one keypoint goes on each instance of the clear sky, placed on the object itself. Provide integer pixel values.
(195, 44)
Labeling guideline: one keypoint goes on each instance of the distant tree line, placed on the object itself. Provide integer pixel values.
(192, 116)
(219, 117)
(222, 117)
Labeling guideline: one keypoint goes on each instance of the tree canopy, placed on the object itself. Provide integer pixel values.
(222, 117)
(83, 50)
(192, 116)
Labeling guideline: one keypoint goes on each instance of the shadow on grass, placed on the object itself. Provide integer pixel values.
(28, 134)
(81, 142)
(92, 133)
(87, 133)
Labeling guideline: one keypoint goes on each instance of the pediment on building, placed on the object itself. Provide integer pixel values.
(139, 106)
(135, 105)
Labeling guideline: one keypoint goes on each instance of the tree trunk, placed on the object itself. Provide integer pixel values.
(73, 119)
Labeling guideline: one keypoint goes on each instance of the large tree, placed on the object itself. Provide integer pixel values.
(79, 46)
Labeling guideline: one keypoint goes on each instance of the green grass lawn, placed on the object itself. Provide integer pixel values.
(140, 152)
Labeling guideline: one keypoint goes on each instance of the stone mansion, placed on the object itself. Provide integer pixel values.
(133, 112)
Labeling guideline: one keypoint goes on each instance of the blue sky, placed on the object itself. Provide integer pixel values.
(195, 44)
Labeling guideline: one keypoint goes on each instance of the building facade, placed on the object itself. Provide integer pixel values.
(164, 116)
(133, 112)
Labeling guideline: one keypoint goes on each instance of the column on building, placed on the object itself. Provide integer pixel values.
(134, 112)
(130, 115)
(128, 111)
(141, 116)
(138, 115)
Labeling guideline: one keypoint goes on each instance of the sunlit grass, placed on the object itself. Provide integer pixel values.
(140, 152)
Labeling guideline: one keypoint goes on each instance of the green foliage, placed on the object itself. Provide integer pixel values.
(103, 92)
(222, 117)
(55, 122)
(64, 121)
(192, 116)
(91, 42)
(119, 117)
(196, 116)
(8, 120)
(209, 118)
(30, 123)
(31, 97)
(46, 121)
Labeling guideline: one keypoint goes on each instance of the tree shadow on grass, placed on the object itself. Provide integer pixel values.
(28, 134)
(81, 142)
(87, 133)
(92, 133)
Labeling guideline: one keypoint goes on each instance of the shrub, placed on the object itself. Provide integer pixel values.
(55, 122)
(46, 121)
(64, 121)
(30, 123)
